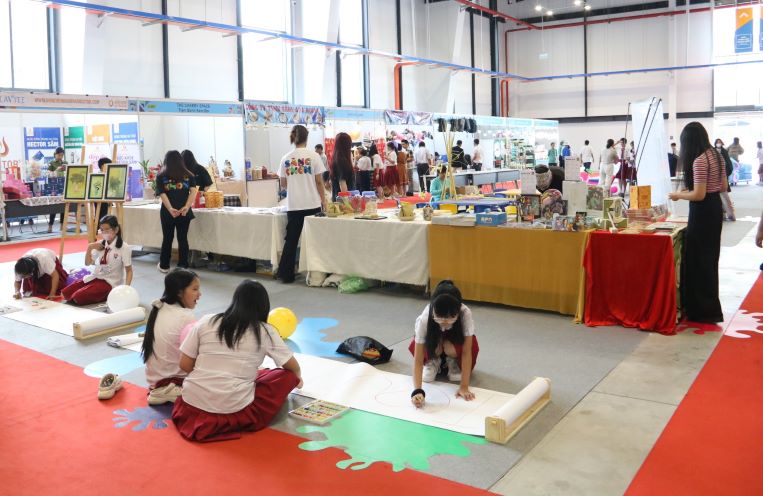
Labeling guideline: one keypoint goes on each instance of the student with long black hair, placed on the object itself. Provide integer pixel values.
(341, 172)
(444, 333)
(224, 392)
(705, 179)
(169, 315)
(176, 186)
(200, 173)
(111, 259)
(39, 273)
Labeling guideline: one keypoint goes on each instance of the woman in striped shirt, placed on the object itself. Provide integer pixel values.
(704, 178)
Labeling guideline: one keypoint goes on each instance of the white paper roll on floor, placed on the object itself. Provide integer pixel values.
(110, 320)
(527, 397)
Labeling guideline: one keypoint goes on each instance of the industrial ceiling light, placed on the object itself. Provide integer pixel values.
(578, 3)
(538, 8)
(549, 12)
(587, 7)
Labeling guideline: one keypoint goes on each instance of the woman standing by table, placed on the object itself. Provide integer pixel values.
(704, 178)
(176, 186)
(342, 174)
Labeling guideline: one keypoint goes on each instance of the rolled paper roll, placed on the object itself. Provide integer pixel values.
(109, 321)
(508, 419)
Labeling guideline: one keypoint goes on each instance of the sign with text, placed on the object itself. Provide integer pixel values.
(124, 132)
(17, 99)
(11, 151)
(743, 33)
(74, 137)
(201, 108)
(40, 143)
(264, 114)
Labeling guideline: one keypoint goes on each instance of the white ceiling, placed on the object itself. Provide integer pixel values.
(526, 8)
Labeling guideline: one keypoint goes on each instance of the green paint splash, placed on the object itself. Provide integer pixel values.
(369, 438)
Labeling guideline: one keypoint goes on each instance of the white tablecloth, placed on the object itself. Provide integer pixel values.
(238, 231)
(388, 250)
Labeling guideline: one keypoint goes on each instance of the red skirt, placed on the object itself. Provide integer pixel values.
(40, 287)
(272, 388)
(459, 350)
(391, 177)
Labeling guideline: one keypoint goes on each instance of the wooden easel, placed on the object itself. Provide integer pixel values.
(90, 209)
(115, 207)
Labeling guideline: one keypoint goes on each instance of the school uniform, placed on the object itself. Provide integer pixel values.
(225, 393)
(422, 157)
(164, 363)
(108, 272)
(177, 192)
(391, 175)
(47, 264)
(467, 326)
(300, 168)
(365, 169)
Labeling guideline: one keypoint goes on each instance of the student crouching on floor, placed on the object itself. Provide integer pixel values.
(39, 273)
(111, 259)
(224, 392)
(161, 345)
(444, 332)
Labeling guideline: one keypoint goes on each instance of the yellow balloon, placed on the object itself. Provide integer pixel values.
(284, 321)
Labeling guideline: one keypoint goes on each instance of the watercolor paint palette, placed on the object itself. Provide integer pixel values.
(318, 411)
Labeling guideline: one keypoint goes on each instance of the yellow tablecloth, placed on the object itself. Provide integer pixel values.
(525, 268)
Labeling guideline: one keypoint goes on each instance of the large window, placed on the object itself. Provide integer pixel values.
(352, 63)
(737, 38)
(266, 59)
(23, 45)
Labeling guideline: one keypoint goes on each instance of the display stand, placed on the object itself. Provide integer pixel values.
(115, 207)
(90, 210)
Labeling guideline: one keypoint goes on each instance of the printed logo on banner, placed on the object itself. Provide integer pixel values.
(743, 33)
(124, 132)
(11, 150)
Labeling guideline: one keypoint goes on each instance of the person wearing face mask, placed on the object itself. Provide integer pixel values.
(728, 205)
(444, 332)
(111, 259)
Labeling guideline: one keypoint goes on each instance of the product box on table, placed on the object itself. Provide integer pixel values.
(491, 218)
(641, 197)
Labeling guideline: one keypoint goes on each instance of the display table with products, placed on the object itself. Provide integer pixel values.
(632, 280)
(388, 250)
(478, 178)
(528, 268)
(256, 233)
(30, 207)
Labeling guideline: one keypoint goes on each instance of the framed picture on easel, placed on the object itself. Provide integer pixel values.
(75, 185)
(96, 186)
(116, 182)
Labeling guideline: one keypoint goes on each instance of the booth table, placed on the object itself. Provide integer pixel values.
(632, 280)
(478, 178)
(389, 249)
(529, 268)
(237, 231)
(30, 207)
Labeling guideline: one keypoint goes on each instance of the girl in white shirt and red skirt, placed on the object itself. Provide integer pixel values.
(39, 273)
(111, 259)
(169, 316)
(224, 392)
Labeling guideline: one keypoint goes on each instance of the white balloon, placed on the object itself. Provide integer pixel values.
(122, 298)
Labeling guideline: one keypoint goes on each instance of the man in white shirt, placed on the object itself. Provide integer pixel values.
(477, 155)
(586, 156)
(423, 160)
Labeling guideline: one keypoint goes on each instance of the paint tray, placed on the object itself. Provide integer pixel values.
(318, 411)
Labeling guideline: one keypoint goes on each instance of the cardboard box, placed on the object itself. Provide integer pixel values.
(641, 197)
(491, 218)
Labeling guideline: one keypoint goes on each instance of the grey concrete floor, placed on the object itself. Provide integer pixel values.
(613, 389)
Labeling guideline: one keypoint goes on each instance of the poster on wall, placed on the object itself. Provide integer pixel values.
(74, 140)
(743, 32)
(124, 132)
(127, 153)
(98, 133)
(11, 152)
(40, 143)
(93, 152)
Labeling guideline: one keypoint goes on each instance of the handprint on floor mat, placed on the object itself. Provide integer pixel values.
(145, 416)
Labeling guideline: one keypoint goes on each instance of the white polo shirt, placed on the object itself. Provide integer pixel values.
(223, 379)
(300, 167)
(165, 362)
(420, 333)
(117, 260)
(46, 261)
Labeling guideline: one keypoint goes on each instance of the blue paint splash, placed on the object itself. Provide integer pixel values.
(143, 417)
(308, 338)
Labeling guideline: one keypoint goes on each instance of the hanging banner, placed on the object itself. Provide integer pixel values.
(98, 133)
(124, 132)
(12, 152)
(93, 152)
(263, 114)
(40, 143)
(743, 33)
(403, 117)
(202, 108)
(15, 100)
(127, 153)
(74, 140)
(760, 30)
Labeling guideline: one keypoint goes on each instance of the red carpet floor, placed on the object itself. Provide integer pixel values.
(713, 444)
(57, 438)
(11, 252)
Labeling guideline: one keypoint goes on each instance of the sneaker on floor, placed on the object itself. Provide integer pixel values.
(108, 387)
(164, 394)
(454, 369)
(431, 369)
(160, 269)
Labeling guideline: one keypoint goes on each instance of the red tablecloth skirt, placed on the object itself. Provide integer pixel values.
(630, 281)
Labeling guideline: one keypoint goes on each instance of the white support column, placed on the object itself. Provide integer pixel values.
(456, 53)
(672, 103)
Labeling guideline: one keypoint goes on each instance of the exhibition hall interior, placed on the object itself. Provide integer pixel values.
(381, 246)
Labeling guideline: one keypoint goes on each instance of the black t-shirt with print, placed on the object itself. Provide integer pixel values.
(177, 191)
(203, 179)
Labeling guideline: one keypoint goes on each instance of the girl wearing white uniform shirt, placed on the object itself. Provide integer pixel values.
(111, 259)
(39, 273)
(224, 392)
(161, 346)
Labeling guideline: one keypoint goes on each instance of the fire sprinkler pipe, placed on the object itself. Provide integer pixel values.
(495, 13)
(505, 97)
